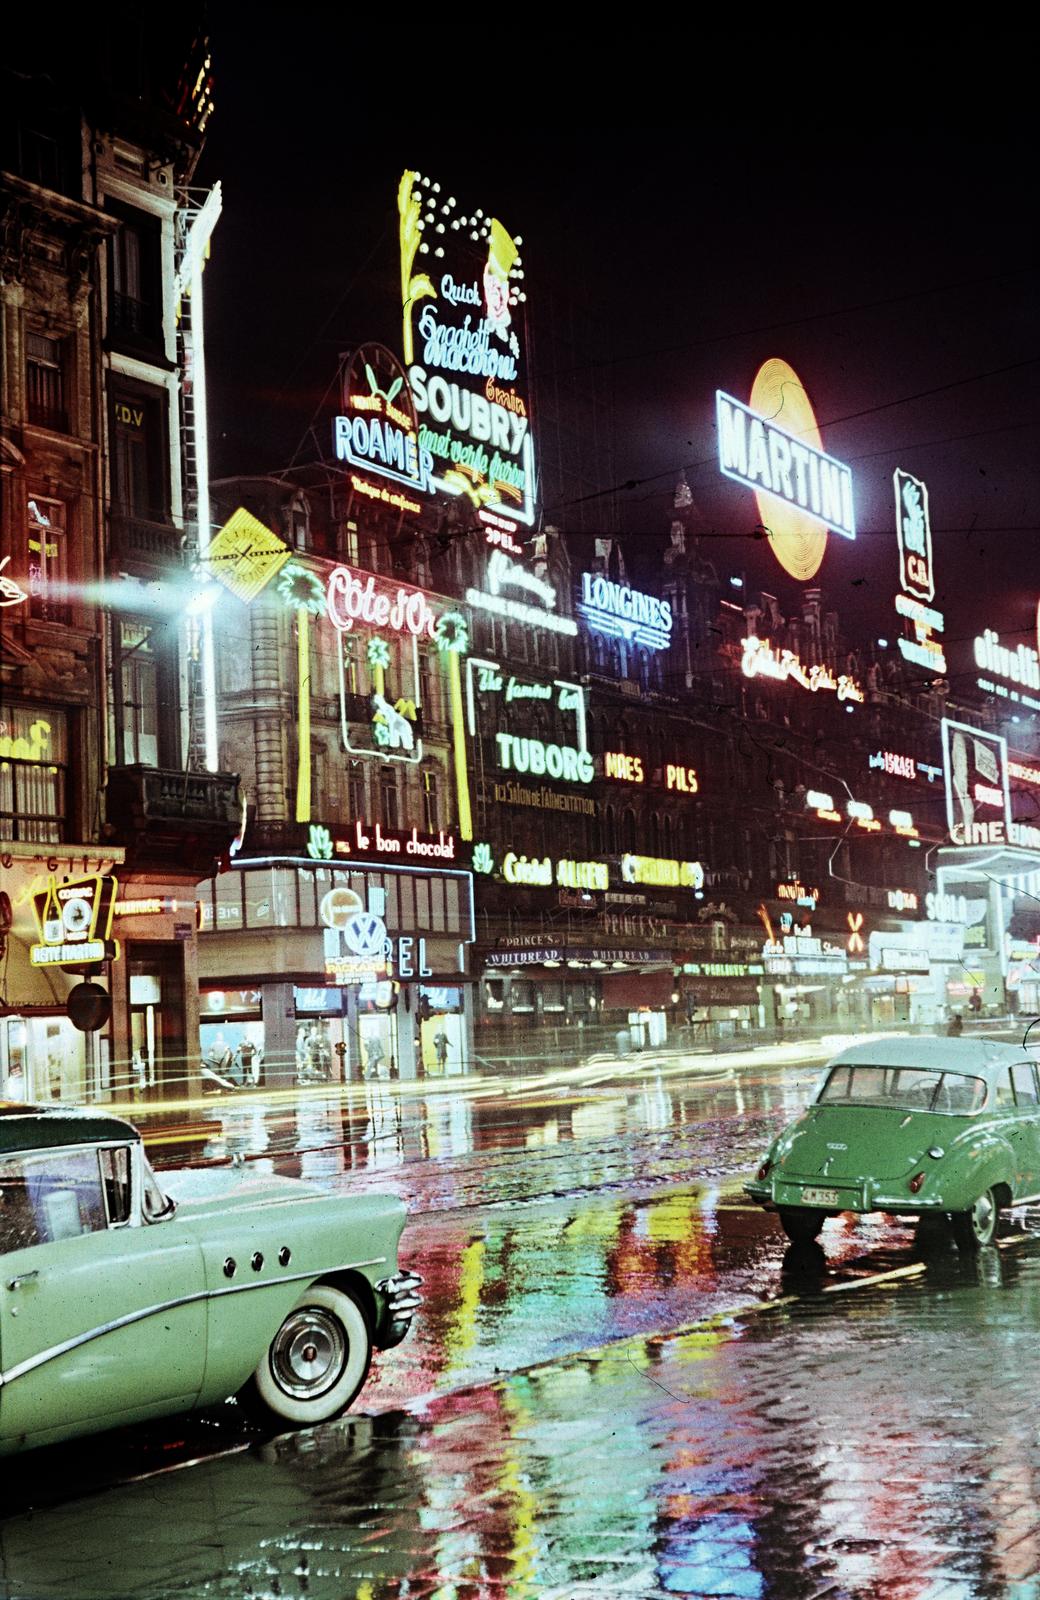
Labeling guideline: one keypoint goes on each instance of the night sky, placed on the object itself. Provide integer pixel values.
(882, 270)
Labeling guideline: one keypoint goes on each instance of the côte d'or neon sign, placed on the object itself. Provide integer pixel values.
(760, 659)
(360, 597)
(662, 874)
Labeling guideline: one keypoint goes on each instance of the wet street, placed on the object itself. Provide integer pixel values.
(622, 1383)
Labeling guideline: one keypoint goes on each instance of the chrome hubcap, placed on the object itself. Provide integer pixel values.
(309, 1353)
(982, 1216)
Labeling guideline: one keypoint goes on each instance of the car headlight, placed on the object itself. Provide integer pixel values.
(936, 1152)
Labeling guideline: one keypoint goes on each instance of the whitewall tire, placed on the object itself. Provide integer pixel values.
(317, 1361)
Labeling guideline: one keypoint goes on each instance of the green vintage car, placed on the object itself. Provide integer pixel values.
(934, 1128)
(120, 1301)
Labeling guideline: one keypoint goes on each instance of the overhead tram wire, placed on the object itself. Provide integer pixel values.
(833, 422)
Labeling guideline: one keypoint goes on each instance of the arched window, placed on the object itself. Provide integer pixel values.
(655, 834)
(610, 831)
(628, 830)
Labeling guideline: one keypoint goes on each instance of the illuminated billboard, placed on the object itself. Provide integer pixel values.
(773, 446)
(917, 574)
(377, 432)
(465, 348)
(624, 613)
(978, 801)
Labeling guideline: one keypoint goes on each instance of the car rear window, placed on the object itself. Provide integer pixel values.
(907, 1088)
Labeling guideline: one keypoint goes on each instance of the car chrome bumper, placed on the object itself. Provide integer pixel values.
(403, 1300)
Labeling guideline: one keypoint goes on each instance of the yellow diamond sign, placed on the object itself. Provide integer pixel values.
(245, 555)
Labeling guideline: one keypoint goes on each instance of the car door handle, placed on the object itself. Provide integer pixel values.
(23, 1277)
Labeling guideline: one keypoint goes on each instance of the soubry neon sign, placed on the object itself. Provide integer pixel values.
(662, 874)
(760, 659)
(352, 597)
(801, 492)
(624, 613)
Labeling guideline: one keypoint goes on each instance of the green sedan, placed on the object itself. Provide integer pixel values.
(120, 1302)
(934, 1128)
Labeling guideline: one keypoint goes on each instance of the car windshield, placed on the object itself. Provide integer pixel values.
(903, 1087)
(157, 1206)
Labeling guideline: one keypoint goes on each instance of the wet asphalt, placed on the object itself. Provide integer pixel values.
(623, 1381)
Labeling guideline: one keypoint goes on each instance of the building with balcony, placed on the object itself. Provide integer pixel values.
(99, 767)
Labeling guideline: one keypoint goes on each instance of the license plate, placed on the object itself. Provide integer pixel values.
(821, 1197)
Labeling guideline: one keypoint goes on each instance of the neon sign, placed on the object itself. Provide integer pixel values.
(761, 660)
(569, 874)
(486, 677)
(378, 431)
(801, 896)
(627, 769)
(1017, 769)
(350, 598)
(663, 874)
(863, 816)
(75, 922)
(10, 592)
(374, 839)
(504, 573)
(469, 382)
(1021, 666)
(902, 900)
(917, 574)
(683, 780)
(544, 760)
(801, 492)
(518, 869)
(499, 531)
(624, 613)
(895, 764)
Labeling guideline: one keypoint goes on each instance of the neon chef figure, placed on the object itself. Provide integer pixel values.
(502, 252)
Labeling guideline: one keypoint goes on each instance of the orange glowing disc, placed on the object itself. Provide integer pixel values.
(797, 539)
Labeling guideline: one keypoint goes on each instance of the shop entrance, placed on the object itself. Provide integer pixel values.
(441, 1031)
(158, 1047)
(45, 1058)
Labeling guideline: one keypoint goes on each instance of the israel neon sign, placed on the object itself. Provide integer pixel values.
(624, 613)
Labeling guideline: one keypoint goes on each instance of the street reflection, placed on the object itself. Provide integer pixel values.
(768, 1455)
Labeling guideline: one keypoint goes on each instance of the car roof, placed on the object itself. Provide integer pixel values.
(44, 1127)
(954, 1055)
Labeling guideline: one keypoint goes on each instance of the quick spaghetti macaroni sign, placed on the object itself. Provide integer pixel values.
(464, 340)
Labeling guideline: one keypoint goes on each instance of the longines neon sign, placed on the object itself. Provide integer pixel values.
(624, 613)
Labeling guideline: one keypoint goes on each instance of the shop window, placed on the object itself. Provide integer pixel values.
(270, 898)
(33, 771)
(431, 800)
(305, 887)
(437, 920)
(521, 996)
(494, 994)
(422, 903)
(228, 897)
(45, 382)
(406, 897)
(47, 560)
(139, 459)
(552, 997)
